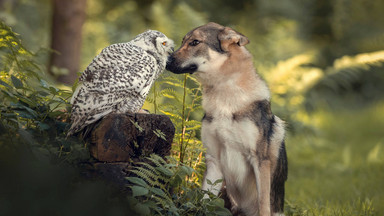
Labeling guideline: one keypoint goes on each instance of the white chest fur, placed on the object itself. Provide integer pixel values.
(240, 135)
(231, 142)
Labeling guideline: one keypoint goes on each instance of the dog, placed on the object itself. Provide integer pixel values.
(244, 141)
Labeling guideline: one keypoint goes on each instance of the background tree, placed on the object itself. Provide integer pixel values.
(68, 17)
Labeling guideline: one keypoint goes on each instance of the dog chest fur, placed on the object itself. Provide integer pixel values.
(233, 134)
(232, 141)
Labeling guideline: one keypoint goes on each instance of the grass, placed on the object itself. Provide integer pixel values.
(340, 169)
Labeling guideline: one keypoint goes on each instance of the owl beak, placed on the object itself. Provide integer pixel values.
(171, 50)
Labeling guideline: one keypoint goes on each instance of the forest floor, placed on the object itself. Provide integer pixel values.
(340, 169)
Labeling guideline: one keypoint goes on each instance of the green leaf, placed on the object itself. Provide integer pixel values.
(218, 181)
(44, 126)
(189, 205)
(143, 209)
(31, 103)
(31, 111)
(17, 82)
(43, 93)
(53, 90)
(9, 95)
(177, 180)
(55, 114)
(5, 84)
(139, 191)
(165, 171)
(222, 211)
(137, 126)
(9, 115)
(158, 192)
(159, 134)
(44, 84)
(24, 114)
(187, 170)
(209, 182)
(137, 181)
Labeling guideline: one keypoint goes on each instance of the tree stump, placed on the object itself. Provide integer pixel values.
(131, 136)
(120, 139)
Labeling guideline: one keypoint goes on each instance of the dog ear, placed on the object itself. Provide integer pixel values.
(228, 36)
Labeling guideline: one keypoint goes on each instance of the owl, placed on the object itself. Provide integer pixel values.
(119, 78)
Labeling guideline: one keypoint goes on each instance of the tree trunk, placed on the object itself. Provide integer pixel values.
(118, 140)
(6, 4)
(131, 137)
(67, 21)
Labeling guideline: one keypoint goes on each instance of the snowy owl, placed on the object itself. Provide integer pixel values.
(119, 78)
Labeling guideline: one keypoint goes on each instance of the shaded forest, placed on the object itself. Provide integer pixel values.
(323, 61)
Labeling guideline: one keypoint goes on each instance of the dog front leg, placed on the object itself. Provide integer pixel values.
(213, 173)
(265, 180)
(262, 172)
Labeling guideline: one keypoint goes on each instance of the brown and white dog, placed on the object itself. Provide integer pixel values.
(244, 140)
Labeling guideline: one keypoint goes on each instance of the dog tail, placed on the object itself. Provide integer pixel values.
(280, 175)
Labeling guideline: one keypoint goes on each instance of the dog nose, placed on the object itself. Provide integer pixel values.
(170, 58)
(170, 61)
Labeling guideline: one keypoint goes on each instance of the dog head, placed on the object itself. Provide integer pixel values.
(206, 48)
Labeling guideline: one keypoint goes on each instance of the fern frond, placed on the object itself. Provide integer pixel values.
(194, 80)
(353, 81)
(156, 159)
(175, 116)
(164, 201)
(173, 80)
(147, 166)
(169, 91)
(148, 176)
(168, 106)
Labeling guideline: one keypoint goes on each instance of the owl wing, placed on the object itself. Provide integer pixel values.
(121, 73)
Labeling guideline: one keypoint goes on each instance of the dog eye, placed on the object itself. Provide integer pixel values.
(194, 43)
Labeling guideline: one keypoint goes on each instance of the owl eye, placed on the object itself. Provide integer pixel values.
(194, 43)
(164, 43)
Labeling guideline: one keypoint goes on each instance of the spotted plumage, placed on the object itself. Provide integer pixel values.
(119, 78)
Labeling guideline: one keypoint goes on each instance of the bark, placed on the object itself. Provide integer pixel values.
(120, 139)
(131, 137)
(67, 22)
(7, 4)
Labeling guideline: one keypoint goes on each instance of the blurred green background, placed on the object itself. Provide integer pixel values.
(323, 61)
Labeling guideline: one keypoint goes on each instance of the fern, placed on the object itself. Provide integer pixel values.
(149, 175)
(351, 82)
(162, 188)
(157, 160)
(299, 86)
(180, 97)
(32, 110)
(34, 101)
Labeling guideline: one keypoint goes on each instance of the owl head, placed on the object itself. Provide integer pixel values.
(154, 41)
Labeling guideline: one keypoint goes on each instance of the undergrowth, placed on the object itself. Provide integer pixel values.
(162, 188)
(32, 110)
(358, 208)
(180, 98)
